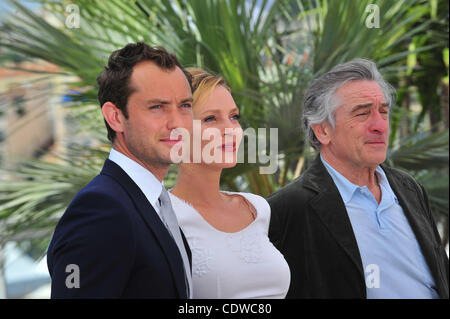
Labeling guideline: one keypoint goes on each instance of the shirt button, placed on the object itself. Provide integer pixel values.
(361, 191)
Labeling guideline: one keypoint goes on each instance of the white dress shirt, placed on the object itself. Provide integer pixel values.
(144, 179)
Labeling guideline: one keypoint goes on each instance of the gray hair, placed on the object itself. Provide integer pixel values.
(320, 103)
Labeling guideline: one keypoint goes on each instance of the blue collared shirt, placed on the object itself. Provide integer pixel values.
(144, 179)
(393, 262)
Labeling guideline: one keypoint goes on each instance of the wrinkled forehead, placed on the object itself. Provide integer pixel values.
(361, 91)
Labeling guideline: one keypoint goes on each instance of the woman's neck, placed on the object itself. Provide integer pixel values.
(198, 185)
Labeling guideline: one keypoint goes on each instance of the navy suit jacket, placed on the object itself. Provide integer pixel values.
(119, 243)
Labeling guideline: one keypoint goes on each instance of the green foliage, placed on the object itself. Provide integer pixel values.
(32, 202)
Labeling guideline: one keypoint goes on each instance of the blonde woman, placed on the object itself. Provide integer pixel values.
(232, 256)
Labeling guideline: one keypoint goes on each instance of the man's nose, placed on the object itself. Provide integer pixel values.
(175, 119)
(379, 122)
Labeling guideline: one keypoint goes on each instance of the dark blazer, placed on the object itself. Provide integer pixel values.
(115, 237)
(310, 226)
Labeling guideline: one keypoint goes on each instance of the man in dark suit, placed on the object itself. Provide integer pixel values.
(118, 238)
(350, 227)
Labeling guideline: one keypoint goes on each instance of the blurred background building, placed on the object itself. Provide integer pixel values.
(32, 125)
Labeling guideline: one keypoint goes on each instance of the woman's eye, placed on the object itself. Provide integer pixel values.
(209, 119)
(236, 117)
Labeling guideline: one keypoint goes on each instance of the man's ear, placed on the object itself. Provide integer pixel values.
(323, 132)
(113, 116)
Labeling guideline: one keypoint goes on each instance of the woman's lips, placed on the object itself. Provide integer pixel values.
(228, 147)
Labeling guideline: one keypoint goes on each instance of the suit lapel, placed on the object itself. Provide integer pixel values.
(330, 208)
(153, 222)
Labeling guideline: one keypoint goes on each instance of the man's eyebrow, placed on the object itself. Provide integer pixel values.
(361, 106)
(188, 99)
(162, 101)
(365, 106)
(157, 101)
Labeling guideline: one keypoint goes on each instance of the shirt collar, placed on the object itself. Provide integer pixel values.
(389, 197)
(345, 187)
(144, 179)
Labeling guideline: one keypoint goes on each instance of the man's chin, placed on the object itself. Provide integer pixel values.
(163, 161)
(376, 160)
(166, 162)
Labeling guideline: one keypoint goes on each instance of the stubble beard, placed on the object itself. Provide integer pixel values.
(150, 158)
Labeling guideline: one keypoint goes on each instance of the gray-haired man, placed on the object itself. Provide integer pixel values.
(350, 227)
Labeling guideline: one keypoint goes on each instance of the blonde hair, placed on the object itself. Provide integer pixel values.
(203, 83)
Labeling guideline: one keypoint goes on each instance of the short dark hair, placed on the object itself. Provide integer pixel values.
(114, 81)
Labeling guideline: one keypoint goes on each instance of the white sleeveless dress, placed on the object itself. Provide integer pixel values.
(244, 264)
